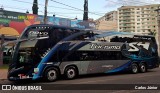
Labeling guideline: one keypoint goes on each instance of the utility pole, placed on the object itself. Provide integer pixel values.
(158, 21)
(1, 49)
(85, 15)
(35, 7)
(45, 11)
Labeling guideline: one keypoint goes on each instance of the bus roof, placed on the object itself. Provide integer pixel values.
(112, 33)
(54, 26)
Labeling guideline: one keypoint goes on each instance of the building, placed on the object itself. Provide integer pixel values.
(138, 19)
(107, 22)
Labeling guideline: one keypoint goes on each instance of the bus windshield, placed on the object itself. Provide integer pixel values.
(35, 42)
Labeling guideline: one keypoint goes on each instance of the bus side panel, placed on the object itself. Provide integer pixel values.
(90, 67)
(104, 65)
(64, 64)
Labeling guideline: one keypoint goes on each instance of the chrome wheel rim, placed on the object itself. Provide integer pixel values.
(134, 68)
(71, 73)
(52, 75)
(143, 68)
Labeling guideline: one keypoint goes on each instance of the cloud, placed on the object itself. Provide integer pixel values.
(114, 3)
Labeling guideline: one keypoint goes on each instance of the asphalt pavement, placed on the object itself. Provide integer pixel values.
(92, 82)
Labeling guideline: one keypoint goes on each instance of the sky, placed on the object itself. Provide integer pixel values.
(97, 8)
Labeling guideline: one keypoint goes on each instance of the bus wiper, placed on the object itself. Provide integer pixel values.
(21, 40)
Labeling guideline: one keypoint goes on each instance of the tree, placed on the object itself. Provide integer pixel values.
(35, 7)
(85, 15)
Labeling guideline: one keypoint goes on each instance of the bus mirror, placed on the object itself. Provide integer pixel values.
(8, 50)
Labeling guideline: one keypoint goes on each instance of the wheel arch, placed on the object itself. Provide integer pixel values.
(50, 66)
(71, 65)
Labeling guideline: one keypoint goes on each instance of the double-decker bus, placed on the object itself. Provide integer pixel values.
(33, 45)
(88, 52)
(105, 53)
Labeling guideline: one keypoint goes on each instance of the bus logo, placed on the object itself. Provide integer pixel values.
(96, 46)
(36, 33)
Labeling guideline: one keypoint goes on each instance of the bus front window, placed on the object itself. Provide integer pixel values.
(35, 43)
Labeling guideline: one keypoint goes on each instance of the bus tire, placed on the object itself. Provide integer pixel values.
(51, 74)
(134, 68)
(70, 72)
(142, 68)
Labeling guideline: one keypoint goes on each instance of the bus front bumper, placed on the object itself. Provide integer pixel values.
(21, 78)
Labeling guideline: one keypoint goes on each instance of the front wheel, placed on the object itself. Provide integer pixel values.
(70, 72)
(51, 74)
(143, 68)
(134, 68)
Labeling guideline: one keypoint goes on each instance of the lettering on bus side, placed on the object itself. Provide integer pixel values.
(97, 46)
(35, 33)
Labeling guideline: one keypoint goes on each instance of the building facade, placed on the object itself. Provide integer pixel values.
(107, 22)
(138, 19)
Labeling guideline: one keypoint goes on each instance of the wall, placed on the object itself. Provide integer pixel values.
(13, 23)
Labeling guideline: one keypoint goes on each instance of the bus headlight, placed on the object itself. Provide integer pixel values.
(36, 70)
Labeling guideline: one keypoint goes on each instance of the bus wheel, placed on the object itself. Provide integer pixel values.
(70, 72)
(134, 68)
(143, 68)
(51, 74)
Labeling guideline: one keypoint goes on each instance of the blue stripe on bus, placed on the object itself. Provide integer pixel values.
(41, 65)
(121, 68)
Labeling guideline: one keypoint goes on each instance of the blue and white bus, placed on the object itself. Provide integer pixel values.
(84, 52)
(31, 47)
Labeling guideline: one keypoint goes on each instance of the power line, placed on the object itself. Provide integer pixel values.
(39, 11)
(44, 5)
(75, 7)
(18, 8)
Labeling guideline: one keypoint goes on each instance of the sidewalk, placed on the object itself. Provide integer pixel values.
(3, 73)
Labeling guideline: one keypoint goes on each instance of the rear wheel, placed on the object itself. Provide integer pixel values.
(70, 72)
(51, 74)
(143, 68)
(134, 68)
